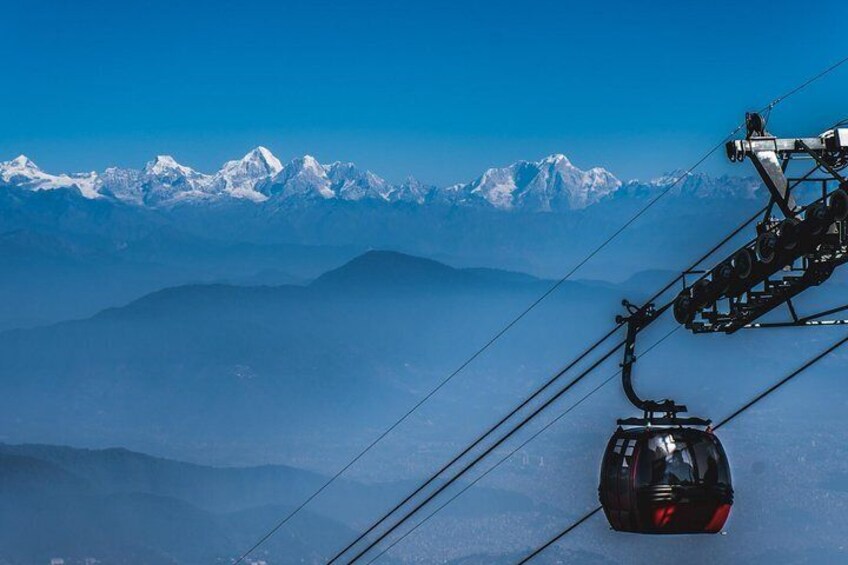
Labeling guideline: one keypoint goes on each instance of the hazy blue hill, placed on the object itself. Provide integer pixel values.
(187, 362)
(21, 474)
(390, 269)
(502, 275)
(122, 506)
(120, 512)
(217, 489)
(174, 301)
(66, 212)
(67, 257)
(50, 509)
(48, 278)
(652, 279)
(264, 277)
(311, 541)
(120, 528)
(22, 247)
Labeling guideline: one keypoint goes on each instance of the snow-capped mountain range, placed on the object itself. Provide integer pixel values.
(551, 184)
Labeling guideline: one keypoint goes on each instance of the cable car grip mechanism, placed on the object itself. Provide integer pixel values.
(638, 318)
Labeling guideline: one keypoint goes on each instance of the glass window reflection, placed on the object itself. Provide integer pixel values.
(682, 459)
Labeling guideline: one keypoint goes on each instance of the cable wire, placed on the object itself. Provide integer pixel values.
(476, 442)
(487, 451)
(809, 363)
(518, 318)
(807, 83)
(509, 455)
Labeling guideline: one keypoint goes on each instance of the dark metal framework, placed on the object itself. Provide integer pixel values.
(797, 246)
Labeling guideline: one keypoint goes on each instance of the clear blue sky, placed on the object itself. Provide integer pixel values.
(438, 90)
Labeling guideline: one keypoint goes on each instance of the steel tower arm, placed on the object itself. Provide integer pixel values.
(788, 255)
(771, 154)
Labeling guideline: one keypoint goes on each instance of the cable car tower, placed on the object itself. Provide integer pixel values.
(666, 474)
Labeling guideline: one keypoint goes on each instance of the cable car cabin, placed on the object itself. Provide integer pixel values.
(665, 480)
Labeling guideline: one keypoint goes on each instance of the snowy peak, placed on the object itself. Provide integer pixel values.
(262, 157)
(306, 178)
(350, 183)
(699, 185)
(165, 165)
(310, 164)
(21, 162)
(19, 168)
(552, 183)
(22, 172)
(165, 182)
(556, 159)
(413, 191)
(240, 178)
(122, 184)
(303, 177)
(306, 166)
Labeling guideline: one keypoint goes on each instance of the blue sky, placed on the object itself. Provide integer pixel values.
(438, 90)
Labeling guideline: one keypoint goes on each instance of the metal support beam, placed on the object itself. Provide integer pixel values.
(805, 322)
(772, 172)
(824, 165)
(637, 319)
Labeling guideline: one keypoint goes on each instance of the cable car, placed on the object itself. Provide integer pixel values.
(662, 473)
(666, 474)
(665, 480)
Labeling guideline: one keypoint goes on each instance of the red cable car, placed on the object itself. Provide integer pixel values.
(665, 480)
(661, 473)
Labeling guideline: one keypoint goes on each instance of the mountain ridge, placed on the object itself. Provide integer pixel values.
(550, 184)
(101, 503)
